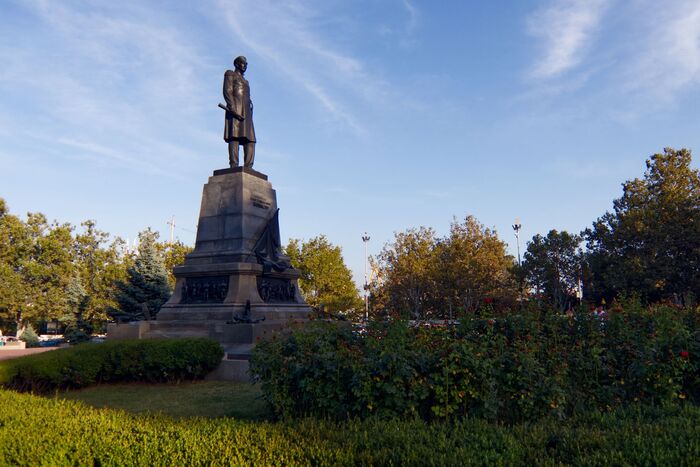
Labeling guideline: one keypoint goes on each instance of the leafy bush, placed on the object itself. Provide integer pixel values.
(78, 331)
(80, 435)
(137, 360)
(29, 336)
(514, 368)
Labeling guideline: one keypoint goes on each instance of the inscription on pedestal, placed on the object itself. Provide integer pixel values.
(260, 202)
(205, 289)
(274, 290)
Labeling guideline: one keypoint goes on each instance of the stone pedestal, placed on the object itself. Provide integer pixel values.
(223, 289)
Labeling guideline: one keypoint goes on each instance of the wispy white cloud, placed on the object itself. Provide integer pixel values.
(112, 83)
(405, 32)
(668, 60)
(94, 149)
(283, 34)
(412, 15)
(648, 59)
(566, 29)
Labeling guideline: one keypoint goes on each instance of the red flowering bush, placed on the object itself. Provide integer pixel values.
(515, 367)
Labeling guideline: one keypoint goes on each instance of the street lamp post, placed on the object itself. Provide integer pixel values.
(365, 240)
(516, 228)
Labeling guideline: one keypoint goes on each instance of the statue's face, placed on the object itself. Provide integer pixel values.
(241, 65)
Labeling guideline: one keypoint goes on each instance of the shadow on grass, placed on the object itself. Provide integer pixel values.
(210, 399)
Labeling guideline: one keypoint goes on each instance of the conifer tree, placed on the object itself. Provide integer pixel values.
(29, 336)
(146, 288)
(77, 329)
(649, 244)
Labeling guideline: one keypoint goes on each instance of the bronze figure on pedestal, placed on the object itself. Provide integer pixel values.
(238, 127)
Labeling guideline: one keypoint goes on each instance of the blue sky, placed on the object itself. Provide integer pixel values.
(371, 115)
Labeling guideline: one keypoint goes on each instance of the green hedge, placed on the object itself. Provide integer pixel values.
(517, 367)
(53, 431)
(157, 360)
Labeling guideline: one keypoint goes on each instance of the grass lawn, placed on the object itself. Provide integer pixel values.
(187, 399)
(55, 431)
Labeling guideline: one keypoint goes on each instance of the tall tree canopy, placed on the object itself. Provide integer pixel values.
(55, 272)
(473, 266)
(100, 265)
(36, 264)
(552, 267)
(422, 276)
(650, 243)
(15, 248)
(407, 272)
(325, 279)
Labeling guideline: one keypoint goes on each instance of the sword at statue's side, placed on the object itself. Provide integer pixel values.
(238, 117)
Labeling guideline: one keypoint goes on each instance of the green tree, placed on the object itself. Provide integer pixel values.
(100, 265)
(77, 329)
(36, 262)
(325, 279)
(552, 267)
(174, 254)
(48, 268)
(146, 287)
(14, 246)
(406, 270)
(473, 265)
(29, 336)
(421, 276)
(649, 244)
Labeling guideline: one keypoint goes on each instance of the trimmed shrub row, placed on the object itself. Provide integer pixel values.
(515, 368)
(115, 361)
(52, 431)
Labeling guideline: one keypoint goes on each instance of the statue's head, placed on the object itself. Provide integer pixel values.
(241, 63)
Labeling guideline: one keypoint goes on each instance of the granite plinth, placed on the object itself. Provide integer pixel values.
(236, 207)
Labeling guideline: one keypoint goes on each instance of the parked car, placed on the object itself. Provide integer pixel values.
(51, 342)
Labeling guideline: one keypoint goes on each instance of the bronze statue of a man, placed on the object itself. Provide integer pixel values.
(238, 128)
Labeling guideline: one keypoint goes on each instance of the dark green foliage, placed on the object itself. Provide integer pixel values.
(35, 265)
(146, 288)
(78, 333)
(552, 267)
(77, 329)
(516, 368)
(116, 361)
(650, 244)
(29, 336)
(99, 264)
(59, 432)
(48, 271)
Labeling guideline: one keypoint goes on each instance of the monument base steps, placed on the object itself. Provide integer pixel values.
(235, 370)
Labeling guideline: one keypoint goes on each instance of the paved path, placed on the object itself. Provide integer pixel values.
(6, 354)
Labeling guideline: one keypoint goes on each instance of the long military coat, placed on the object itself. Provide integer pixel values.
(237, 96)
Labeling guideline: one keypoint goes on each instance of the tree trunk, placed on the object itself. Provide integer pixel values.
(18, 323)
